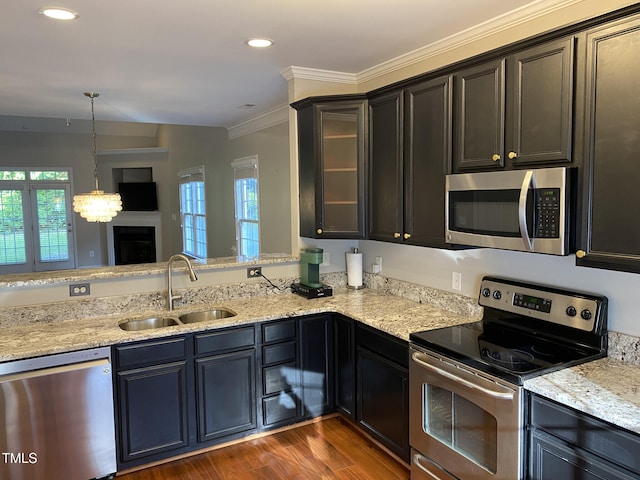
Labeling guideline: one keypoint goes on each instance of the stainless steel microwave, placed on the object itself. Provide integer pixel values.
(524, 210)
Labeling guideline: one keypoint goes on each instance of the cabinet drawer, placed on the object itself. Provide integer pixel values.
(279, 408)
(225, 340)
(281, 352)
(277, 331)
(384, 344)
(610, 442)
(279, 378)
(149, 353)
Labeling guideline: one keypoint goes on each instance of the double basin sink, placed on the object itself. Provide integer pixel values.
(148, 323)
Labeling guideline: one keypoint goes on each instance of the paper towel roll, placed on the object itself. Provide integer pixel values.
(354, 270)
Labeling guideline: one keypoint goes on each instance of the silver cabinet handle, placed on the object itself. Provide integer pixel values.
(416, 356)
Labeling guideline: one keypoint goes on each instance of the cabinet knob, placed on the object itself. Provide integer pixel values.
(407, 236)
(319, 231)
(396, 235)
(495, 157)
(580, 253)
(513, 155)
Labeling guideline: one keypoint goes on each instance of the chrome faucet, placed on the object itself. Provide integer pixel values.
(192, 276)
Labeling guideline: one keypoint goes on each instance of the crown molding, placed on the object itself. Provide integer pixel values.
(317, 74)
(465, 37)
(267, 119)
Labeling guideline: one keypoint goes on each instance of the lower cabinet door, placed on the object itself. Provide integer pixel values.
(153, 410)
(552, 459)
(226, 400)
(383, 401)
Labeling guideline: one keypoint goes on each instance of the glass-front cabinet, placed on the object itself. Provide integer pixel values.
(331, 156)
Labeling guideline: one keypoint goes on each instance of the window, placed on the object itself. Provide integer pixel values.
(193, 212)
(35, 220)
(247, 206)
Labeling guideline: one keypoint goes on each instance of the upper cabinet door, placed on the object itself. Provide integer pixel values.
(539, 128)
(332, 154)
(385, 167)
(610, 236)
(517, 110)
(480, 116)
(427, 160)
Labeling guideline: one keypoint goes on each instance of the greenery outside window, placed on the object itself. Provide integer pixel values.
(247, 206)
(36, 220)
(193, 215)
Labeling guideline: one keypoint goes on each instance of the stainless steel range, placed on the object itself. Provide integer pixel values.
(466, 401)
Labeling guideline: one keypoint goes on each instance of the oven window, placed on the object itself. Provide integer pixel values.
(487, 212)
(461, 425)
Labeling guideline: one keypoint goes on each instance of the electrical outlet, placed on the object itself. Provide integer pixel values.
(79, 289)
(456, 280)
(326, 259)
(253, 272)
(379, 264)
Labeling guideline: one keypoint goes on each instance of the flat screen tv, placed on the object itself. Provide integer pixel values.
(138, 196)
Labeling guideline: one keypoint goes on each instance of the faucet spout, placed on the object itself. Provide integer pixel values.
(192, 276)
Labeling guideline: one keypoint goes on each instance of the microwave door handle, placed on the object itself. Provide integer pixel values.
(529, 180)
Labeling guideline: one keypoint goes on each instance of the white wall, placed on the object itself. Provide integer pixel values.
(433, 267)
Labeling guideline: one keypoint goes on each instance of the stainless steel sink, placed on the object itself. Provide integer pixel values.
(206, 315)
(149, 323)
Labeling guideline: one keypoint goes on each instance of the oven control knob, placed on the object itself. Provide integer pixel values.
(486, 292)
(571, 311)
(497, 295)
(586, 314)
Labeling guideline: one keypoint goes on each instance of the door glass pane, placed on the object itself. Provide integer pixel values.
(52, 225)
(475, 433)
(340, 170)
(12, 241)
(461, 425)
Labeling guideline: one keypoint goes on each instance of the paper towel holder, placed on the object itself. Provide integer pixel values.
(355, 287)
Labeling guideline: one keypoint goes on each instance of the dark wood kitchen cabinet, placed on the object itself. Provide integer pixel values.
(382, 388)
(516, 110)
(565, 443)
(184, 393)
(297, 369)
(410, 155)
(225, 379)
(345, 365)
(610, 234)
(332, 166)
(151, 400)
(385, 166)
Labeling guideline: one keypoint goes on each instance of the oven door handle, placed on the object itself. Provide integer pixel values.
(416, 356)
(529, 180)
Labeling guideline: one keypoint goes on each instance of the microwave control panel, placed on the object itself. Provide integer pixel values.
(547, 213)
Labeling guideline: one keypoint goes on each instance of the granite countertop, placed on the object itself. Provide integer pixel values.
(389, 313)
(608, 389)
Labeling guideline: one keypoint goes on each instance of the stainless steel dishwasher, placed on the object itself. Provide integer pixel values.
(56, 417)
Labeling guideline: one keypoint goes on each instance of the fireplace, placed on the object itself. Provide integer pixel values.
(134, 245)
(134, 237)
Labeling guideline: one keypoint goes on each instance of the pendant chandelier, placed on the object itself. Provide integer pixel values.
(96, 206)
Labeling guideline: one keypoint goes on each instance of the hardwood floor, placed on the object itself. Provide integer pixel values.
(328, 449)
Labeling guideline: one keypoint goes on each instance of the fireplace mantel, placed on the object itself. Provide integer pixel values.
(134, 219)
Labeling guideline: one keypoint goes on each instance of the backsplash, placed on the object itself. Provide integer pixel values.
(621, 346)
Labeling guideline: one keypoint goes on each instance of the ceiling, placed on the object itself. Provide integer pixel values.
(186, 62)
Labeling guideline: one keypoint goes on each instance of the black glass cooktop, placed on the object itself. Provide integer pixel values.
(503, 351)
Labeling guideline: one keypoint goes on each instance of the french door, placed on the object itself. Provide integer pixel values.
(36, 222)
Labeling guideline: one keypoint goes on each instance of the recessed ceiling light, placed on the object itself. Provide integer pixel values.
(58, 13)
(259, 42)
